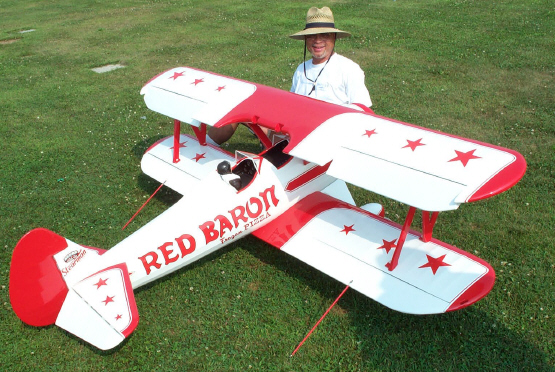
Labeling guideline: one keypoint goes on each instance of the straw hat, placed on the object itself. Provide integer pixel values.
(319, 21)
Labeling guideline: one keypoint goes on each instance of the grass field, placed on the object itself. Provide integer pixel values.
(72, 141)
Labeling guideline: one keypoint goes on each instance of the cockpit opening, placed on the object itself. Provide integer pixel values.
(275, 154)
(246, 170)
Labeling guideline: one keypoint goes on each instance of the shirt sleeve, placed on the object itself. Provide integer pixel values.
(293, 84)
(356, 88)
(295, 81)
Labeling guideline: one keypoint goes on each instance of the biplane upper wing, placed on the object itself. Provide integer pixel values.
(354, 246)
(195, 96)
(426, 169)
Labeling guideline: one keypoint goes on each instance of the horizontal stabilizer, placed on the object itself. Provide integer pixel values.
(101, 309)
(47, 287)
(43, 263)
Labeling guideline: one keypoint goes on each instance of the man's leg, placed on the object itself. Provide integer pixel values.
(222, 134)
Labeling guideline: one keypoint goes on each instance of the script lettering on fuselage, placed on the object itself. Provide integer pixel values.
(223, 227)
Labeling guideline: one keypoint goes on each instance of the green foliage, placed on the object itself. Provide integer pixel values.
(72, 141)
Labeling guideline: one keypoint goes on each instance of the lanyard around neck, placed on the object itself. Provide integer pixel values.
(309, 79)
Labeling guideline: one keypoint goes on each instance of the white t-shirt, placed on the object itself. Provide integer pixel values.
(341, 81)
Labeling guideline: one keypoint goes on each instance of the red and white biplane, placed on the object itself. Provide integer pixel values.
(292, 195)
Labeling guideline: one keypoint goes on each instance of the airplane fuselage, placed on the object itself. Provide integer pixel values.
(212, 216)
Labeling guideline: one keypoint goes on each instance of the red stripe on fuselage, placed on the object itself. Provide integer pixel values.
(306, 177)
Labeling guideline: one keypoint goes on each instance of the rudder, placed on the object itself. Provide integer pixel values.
(37, 288)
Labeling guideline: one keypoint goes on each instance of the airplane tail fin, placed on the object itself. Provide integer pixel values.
(48, 285)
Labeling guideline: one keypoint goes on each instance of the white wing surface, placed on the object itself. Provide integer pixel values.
(425, 169)
(354, 246)
(195, 163)
(101, 309)
(195, 96)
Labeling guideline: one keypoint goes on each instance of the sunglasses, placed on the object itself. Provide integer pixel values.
(325, 36)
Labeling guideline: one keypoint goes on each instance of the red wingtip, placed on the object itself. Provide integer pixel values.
(504, 180)
(37, 289)
(476, 291)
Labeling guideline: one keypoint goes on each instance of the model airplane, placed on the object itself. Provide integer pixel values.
(291, 195)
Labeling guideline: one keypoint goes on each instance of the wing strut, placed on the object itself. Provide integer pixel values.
(408, 221)
(176, 135)
(428, 222)
(199, 132)
(261, 135)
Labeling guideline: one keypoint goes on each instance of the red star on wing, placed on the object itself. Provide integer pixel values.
(348, 229)
(369, 133)
(181, 144)
(101, 282)
(176, 75)
(388, 245)
(198, 81)
(414, 144)
(199, 156)
(465, 157)
(219, 89)
(108, 300)
(434, 263)
(118, 317)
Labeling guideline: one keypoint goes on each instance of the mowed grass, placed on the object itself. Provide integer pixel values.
(72, 141)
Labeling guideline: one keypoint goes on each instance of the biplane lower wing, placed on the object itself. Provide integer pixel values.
(195, 162)
(354, 246)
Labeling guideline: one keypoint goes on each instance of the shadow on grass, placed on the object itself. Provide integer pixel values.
(464, 340)
(94, 349)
